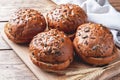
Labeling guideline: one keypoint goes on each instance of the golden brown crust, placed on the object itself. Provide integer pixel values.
(24, 24)
(49, 66)
(6, 30)
(52, 47)
(66, 17)
(100, 61)
(94, 43)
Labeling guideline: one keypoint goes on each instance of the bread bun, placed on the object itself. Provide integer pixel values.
(66, 17)
(94, 44)
(24, 24)
(51, 50)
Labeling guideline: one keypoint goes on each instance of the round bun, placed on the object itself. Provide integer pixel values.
(24, 24)
(51, 50)
(66, 17)
(94, 44)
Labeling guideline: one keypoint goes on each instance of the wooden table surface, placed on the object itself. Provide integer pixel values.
(11, 66)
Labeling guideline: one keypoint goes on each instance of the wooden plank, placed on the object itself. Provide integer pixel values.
(12, 68)
(3, 44)
(5, 12)
(9, 57)
(114, 1)
(15, 72)
(8, 7)
(115, 4)
(2, 25)
(25, 3)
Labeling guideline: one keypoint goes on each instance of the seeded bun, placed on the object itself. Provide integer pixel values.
(94, 44)
(24, 24)
(51, 50)
(66, 17)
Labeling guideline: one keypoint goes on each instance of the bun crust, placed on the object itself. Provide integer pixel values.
(94, 44)
(50, 66)
(53, 48)
(66, 17)
(24, 24)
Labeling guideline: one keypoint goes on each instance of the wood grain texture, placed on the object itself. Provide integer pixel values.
(3, 44)
(11, 67)
(7, 7)
(115, 4)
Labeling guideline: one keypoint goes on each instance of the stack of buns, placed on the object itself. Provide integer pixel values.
(68, 33)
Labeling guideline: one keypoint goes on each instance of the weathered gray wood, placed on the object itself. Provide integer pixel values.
(2, 25)
(8, 57)
(7, 7)
(15, 72)
(3, 44)
(12, 68)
